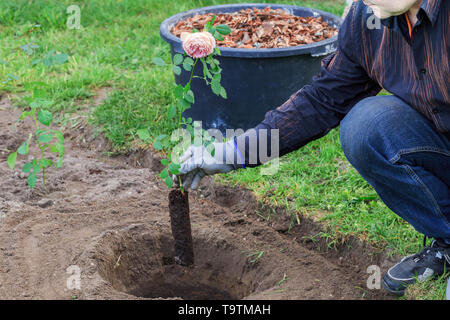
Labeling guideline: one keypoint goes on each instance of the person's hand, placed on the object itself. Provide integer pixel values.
(198, 162)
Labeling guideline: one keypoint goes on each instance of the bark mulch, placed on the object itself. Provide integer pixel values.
(262, 28)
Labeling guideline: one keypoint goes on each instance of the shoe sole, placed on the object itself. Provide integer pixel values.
(396, 293)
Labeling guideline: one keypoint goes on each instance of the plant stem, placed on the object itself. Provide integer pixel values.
(180, 183)
(40, 146)
(189, 83)
(192, 71)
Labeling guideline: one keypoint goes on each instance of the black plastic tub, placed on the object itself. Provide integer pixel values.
(256, 80)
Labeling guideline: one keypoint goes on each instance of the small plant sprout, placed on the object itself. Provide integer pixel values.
(195, 52)
(285, 278)
(117, 264)
(255, 256)
(46, 139)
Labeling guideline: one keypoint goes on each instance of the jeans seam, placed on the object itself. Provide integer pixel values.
(372, 123)
(416, 150)
(427, 192)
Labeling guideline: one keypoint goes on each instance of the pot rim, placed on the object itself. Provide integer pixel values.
(315, 49)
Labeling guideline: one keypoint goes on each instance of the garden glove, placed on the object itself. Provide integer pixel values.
(198, 162)
(387, 8)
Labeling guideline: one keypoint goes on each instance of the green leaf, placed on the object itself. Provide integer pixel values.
(169, 182)
(161, 136)
(172, 111)
(164, 162)
(223, 29)
(48, 61)
(35, 104)
(60, 147)
(210, 23)
(164, 174)
(45, 163)
(216, 70)
(176, 70)
(158, 61)
(187, 67)
(223, 93)
(40, 103)
(27, 167)
(157, 145)
(39, 93)
(59, 164)
(189, 96)
(183, 104)
(218, 36)
(188, 63)
(45, 117)
(177, 59)
(23, 149)
(35, 62)
(216, 86)
(178, 91)
(59, 135)
(60, 58)
(53, 149)
(143, 134)
(25, 114)
(174, 168)
(217, 77)
(206, 72)
(44, 138)
(217, 51)
(12, 160)
(32, 180)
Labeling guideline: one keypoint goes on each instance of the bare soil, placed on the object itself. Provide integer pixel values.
(261, 28)
(109, 219)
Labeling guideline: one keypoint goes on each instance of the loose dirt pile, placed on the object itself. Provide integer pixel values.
(105, 222)
(262, 28)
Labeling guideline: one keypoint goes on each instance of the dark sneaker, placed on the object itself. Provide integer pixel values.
(431, 261)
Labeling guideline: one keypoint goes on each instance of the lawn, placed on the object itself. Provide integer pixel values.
(114, 49)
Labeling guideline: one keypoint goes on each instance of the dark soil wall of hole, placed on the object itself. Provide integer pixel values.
(350, 254)
(139, 261)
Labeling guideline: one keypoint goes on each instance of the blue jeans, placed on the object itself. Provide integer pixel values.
(404, 158)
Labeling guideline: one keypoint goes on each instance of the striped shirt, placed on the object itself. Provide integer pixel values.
(372, 55)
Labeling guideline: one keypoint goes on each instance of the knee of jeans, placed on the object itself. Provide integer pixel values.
(362, 129)
(352, 142)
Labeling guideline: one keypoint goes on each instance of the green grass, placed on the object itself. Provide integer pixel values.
(431, 289)
(114, 49)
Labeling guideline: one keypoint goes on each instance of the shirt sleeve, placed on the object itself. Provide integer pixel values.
(315, 109)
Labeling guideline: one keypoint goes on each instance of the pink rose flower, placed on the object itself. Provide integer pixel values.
(199, 44)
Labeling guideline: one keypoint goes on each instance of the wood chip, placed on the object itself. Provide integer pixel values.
(262, 28)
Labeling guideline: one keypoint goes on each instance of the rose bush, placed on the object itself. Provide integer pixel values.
(198, 47)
